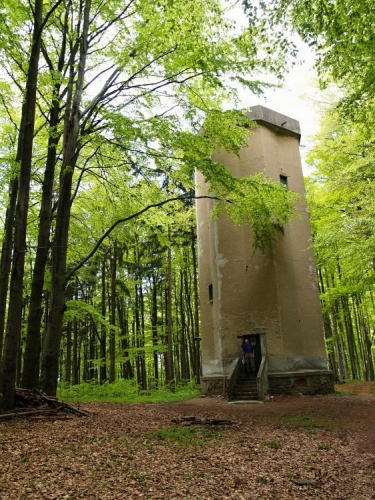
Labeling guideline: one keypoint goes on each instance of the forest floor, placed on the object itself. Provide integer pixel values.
(291, 447)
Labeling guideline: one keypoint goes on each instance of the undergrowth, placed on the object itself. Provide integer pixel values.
(183, 436)
(125, 391)
(305, 421)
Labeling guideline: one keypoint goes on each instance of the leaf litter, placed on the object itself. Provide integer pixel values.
(312, 447)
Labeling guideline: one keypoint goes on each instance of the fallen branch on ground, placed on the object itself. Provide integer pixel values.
(190, 420)
(34, 403)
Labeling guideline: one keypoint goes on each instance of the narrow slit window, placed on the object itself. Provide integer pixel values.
(284, 180)
(210, 293)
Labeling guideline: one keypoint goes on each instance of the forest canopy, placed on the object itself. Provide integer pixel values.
(101, 105)
(341, 187)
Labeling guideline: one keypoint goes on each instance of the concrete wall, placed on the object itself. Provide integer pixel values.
(275, 292)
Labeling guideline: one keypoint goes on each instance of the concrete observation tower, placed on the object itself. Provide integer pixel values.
(270, 298)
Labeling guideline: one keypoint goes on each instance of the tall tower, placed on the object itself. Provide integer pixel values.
(272, 297)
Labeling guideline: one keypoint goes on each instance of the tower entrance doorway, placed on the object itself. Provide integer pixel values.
(254, 340)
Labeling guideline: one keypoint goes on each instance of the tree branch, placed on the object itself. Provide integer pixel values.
(125, 219)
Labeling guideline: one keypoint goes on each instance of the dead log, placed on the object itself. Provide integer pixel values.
(32, 403)
(27, 413)
(189, 420)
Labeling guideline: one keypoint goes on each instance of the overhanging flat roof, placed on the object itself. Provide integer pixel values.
(270, 118)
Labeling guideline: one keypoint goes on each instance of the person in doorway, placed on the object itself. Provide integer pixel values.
(248, 356)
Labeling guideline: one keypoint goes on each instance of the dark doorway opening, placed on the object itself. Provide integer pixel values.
(254, 340)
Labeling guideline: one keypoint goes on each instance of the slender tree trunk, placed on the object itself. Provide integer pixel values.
(197, 364)
(154, 327)
(353, 356)
(103, 337)
(139, 337)
(183, 328)
(76, 356)
(68, 360)
(143, 354)
(24, 154)
(169, 354)
(127, 370)
(92, 333)
(364, 331)
(6, 256)
(339, 345)
(327, 328)
(112, 335)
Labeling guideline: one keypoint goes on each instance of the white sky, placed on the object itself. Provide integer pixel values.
(297, 99)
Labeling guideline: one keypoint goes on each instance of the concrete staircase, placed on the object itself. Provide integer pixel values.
(245, 389)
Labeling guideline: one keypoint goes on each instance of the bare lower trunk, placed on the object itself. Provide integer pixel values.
(24, 155)
(30, 376)
(6, 257)
(169, 353)
(51, 344)
(112, 335)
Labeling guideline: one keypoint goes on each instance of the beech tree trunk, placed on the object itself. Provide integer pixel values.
(112, 335)
(6, 256)
(154, 327)
(197, 364)
(30, 376)
(24, 156)
(169, 354)
(103, 337)
(51, 344)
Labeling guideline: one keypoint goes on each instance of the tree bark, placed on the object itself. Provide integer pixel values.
(103, 337)
(30, 377)
(154, 327)
(24, 155)
(31, 368)
(197, 364)
(6, 256)
(169, 354)
(51, 344)
(112, 335)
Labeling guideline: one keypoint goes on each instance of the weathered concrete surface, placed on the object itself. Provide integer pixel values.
(276, 291)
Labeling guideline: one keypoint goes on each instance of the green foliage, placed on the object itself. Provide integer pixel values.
(341, 202)
(325, 447)
(227, 129)
(307, 422)
(124, 391)
(149, 113)
(275, 445)
(78, 310)
(341, 34)
(265, 204)
(184, 436)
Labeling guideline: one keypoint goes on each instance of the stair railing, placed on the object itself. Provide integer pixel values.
(262, 379)
(232, 379)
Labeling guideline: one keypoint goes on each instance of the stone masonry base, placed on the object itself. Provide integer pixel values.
(214, 385)
(299, 382)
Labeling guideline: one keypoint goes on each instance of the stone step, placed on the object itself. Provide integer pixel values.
(247, 381)
(243, 392)
(245, 389)
(245, 397)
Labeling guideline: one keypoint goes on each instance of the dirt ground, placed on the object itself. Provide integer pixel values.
(300, 447)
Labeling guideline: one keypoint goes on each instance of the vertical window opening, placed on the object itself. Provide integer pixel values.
(210, 292)
(284, 180)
